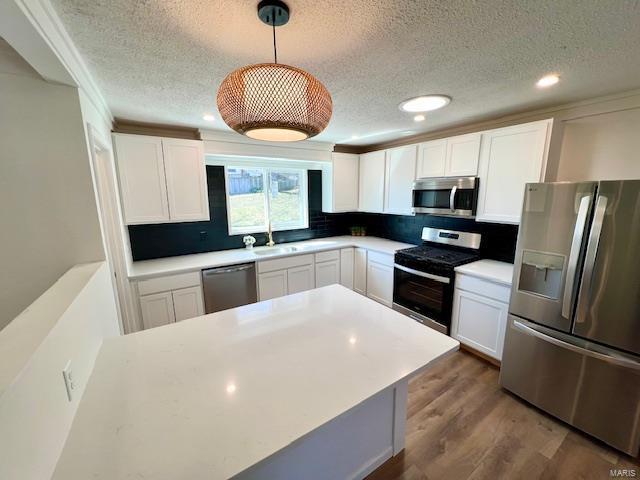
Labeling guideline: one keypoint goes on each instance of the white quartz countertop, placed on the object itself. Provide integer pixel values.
(208, 397)
(188, 263)
(499, 272)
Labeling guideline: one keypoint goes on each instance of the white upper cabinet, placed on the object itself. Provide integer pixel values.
(162, 180)
(340, 183)
(186, 179)
(432, 158)
(143, 183)
(449, 157)
(400, 175)
(509, 158)
(372, 182)
(462, 155)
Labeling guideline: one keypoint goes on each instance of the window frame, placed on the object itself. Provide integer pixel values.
(266, 179)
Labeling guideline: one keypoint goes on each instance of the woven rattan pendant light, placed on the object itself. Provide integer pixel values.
(272, 101)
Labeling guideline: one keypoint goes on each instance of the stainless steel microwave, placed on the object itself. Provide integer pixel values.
(451, 196)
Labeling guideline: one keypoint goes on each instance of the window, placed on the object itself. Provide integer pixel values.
(257, 196)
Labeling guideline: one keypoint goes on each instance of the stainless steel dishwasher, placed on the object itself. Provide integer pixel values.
(229, 287)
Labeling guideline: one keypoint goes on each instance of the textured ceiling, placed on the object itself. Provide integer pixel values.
(163, 60)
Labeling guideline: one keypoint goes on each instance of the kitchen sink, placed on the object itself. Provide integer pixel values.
(276, 250)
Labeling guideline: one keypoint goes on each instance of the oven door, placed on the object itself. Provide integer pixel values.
(422, 296)
(455, 196)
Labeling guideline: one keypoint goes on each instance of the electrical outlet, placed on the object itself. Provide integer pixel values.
(67, 375)
(203, 236)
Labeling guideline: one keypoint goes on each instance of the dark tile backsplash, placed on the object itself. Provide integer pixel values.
(171, 239)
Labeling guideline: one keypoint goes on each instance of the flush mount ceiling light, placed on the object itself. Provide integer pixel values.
(272, 101)
(425, 103)
(547, 81)
(207, 117)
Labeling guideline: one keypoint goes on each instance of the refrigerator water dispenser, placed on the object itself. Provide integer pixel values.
(541, 274)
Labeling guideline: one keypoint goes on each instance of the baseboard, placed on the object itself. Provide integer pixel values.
(482, 356)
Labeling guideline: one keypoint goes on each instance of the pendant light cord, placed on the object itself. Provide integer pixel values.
(275, 49)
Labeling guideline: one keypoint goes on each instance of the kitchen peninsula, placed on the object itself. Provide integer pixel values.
(311, 385)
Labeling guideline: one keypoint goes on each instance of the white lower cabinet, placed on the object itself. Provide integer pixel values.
(272, 284)
(157, 309)
(165, 300)
(479, 318)
(284, 276)
(188, 303)
(327, 273)
(380, 278)
(300, 279)
(360, 271)
(346, 267)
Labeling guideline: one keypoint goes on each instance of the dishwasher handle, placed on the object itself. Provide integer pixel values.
(232, 269)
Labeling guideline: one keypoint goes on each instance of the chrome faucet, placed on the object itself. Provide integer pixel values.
(270, 243)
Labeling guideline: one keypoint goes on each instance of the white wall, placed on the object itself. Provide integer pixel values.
(48, 216)
(35, 415)
(601, 147)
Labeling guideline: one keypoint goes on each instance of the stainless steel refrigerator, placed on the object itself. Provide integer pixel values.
(572, 346)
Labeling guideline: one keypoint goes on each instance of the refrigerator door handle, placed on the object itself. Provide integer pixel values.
(568, 299)
(584, 298)
(602, 353)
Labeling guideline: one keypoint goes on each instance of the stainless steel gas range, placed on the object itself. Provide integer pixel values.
(424, 276)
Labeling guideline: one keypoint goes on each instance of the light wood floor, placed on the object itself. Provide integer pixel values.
(462, 425)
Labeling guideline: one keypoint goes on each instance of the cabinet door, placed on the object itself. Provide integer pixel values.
(346, 267)
(432, 158)
(380, 282)
(272, 284)
(157, 309)
(360, 271)
(300, 279)
(188, 303)
(340, 183)
(509, 158)
(400, 175)
(186, 179)
(142, 179)
(479, 322)
(462, 155)
(371, 190)
(327, 273)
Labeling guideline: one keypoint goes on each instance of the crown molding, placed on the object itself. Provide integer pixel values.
(34, 30)
(561, 112)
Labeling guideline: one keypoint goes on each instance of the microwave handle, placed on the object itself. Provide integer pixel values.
(452, 198)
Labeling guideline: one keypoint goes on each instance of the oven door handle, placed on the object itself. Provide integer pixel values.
(430, 276)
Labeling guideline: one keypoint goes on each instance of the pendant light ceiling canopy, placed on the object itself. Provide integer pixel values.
(272, 101)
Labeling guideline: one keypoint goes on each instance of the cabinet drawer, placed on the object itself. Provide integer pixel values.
(329, 255)
(485, 288)
(382, 258)
(172, 282)
(284, 263)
